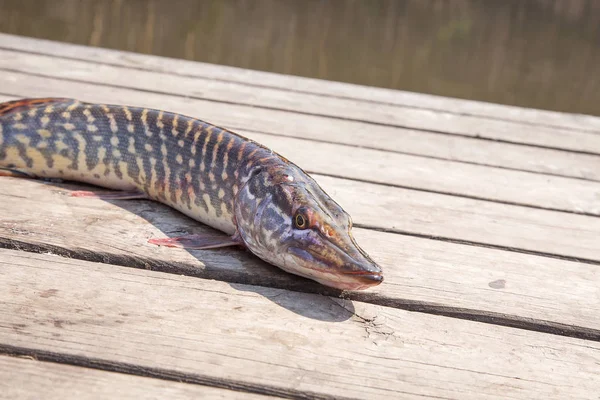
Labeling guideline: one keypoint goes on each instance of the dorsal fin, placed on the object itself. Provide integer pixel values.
(10, 106)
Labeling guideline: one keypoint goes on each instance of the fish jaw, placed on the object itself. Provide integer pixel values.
(341, 282)
(334, 269)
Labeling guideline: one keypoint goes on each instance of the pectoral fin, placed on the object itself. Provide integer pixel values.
(198, 242)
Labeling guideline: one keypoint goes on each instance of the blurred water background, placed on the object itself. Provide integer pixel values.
(532, 53)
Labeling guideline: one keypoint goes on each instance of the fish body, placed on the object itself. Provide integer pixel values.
(213, 175)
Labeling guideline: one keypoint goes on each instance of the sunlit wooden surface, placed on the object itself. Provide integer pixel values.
(485, 218)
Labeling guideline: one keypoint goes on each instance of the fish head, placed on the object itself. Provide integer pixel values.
(285, 218)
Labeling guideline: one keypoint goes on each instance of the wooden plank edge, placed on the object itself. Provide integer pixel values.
(29, 377)
(531, 204)
(159, 373)
(302, 285)
(479, 244)
(306, 85)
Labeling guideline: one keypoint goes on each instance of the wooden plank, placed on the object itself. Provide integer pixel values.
(480, 182)
(284, 341)
(419, 273)
(332, 108)
(407, 141)
(288, 342)
(28, 379)
(362, 94)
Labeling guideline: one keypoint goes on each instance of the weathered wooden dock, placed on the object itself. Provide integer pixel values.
(485, 218)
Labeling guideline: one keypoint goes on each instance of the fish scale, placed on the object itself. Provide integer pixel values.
(95, 139)
(210, 174)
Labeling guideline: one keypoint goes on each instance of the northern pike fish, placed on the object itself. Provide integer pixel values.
(258, 198)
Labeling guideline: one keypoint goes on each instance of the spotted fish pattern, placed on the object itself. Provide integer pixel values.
(183, 162)
(209, 173)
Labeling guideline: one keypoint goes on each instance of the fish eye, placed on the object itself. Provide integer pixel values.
(300, 221)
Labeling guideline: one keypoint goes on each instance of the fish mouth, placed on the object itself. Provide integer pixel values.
(348, 276)
(349, 281)
(375, 278)
(363, 280)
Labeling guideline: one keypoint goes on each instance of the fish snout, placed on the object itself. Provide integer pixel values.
(364, 271)
(371, 279)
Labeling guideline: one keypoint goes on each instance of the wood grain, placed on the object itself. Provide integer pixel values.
(408, 171)
(363, 95)
(283, 341)
(429, 275)
(28, 379)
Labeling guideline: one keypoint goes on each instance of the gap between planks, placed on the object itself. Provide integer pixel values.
(251, 391)
(480, 244)
(261, 79)
(26, 374)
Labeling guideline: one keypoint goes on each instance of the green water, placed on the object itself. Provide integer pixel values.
(533, 53)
